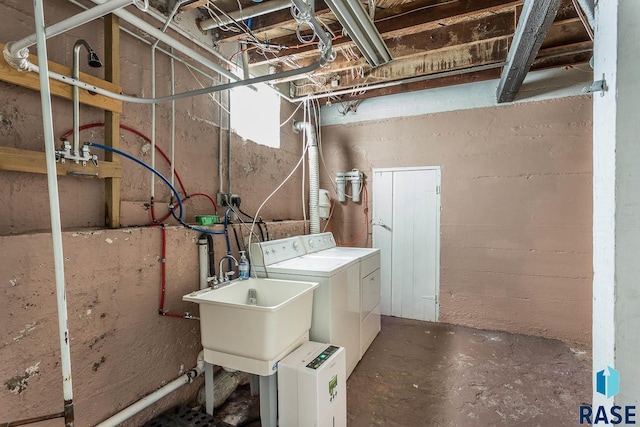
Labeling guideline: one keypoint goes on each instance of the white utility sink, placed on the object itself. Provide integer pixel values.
(253, 338)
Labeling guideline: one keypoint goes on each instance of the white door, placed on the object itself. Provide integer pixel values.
(406, 228)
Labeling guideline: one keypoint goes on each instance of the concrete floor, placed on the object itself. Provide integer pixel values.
(432, 374)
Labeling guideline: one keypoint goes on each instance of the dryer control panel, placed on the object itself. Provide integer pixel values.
(318, 242)
(274, 251)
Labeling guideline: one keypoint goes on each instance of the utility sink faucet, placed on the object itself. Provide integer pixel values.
(226, 276)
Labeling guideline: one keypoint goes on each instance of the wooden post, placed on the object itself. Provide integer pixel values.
(112, 119)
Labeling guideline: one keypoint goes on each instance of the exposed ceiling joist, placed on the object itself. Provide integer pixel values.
(535, 20)
(432, 42)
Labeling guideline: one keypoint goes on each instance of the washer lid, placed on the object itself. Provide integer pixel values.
(312, 266)
(346, 252)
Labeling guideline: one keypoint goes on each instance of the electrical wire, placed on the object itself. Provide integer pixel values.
(583, 19)
(304, 152)
(429, 6)
(292, 114)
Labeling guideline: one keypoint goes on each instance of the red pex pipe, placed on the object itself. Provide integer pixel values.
(141, 135)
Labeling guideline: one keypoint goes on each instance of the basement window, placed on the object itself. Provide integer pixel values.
(255, 115)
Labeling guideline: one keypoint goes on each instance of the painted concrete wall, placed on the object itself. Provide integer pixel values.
(616, 231)
(255, 169)
(121, 348)
(516, 208)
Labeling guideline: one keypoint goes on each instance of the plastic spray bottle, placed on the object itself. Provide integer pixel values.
(243, 267)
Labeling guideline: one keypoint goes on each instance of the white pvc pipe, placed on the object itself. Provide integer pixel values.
(203, 258)
(314, 176)
(173, 123)
(153, 121)
(163, 37)
(54, 204)
(150, 399)
(246, 13)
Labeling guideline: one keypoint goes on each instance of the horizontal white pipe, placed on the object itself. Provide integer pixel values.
(167, 39)
(246, 13)
(166, 52)
(152, 398)
(73, 22)
(139, 100)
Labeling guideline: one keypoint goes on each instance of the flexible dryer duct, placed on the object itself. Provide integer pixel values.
(314, 177)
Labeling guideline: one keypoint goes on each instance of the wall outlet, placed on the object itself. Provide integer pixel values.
(228, 199)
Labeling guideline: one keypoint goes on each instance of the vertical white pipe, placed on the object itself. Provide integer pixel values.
(153, 120)
(173, 122)
(203, 257)
(54, 202)
(229, 141)
(220, 173)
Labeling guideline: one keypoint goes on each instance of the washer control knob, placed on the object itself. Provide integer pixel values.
(295, 246)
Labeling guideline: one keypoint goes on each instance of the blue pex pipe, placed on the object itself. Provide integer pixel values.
(166, 181)
(146, 166)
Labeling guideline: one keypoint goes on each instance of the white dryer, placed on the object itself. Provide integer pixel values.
(324, 245)
(336, 301)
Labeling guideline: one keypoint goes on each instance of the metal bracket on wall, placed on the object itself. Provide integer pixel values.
(598, 86)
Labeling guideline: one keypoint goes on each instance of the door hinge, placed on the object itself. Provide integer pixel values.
(437, 189)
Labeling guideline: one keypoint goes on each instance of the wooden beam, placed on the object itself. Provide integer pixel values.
(15, 159)
(466, 77)
(112, 119)
(31, 80)
(276, 24)
(457, 58)
(536, 19)
(457, 35)
(406, 19)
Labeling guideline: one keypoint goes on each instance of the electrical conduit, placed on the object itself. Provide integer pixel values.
(145, 402)
(314, 214)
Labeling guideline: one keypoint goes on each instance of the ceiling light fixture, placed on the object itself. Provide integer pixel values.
(360, 28)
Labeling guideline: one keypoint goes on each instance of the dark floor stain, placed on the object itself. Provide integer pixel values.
(97, 365)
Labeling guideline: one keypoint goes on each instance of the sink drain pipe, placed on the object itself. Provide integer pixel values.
(152, 398)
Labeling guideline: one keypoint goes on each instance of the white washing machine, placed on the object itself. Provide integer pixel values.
(324, 245)
(336, 301)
